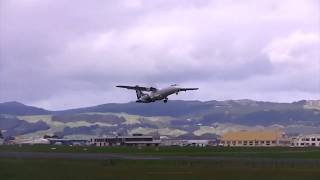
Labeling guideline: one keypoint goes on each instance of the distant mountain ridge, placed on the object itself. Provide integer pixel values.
(16, 108)
(174, 108)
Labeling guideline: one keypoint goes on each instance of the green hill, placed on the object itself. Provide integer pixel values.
(175, 118)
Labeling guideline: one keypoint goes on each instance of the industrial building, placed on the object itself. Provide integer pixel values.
(255, 138)
(1, 138)
(307, 140)
(189, 142)
(137, 140)
(69, 142)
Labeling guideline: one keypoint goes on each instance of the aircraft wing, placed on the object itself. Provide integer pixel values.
(188, 89)
(141, 88)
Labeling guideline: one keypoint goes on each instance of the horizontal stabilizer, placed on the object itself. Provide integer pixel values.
(188, 89)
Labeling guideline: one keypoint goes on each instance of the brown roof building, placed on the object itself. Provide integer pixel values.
(255, 138)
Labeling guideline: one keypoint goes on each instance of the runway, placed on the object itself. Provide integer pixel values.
(115, 156)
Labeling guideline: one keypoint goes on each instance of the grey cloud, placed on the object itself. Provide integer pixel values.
(60, 54)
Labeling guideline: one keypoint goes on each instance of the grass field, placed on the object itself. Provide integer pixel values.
(33, 169)
(259, 163)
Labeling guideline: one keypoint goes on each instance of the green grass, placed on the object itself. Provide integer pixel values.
(263, 164)
(52, 169)
(251, 152)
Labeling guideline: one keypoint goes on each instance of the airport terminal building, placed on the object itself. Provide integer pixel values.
(140, 140)
(312, 140)
(255, 138)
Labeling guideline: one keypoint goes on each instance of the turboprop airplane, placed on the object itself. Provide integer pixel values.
(155, 94)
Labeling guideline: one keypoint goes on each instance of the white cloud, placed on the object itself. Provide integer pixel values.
(296, 49)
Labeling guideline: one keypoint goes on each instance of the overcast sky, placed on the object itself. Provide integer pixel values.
(64, 54)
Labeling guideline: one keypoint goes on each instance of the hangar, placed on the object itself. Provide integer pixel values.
(255, 138)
